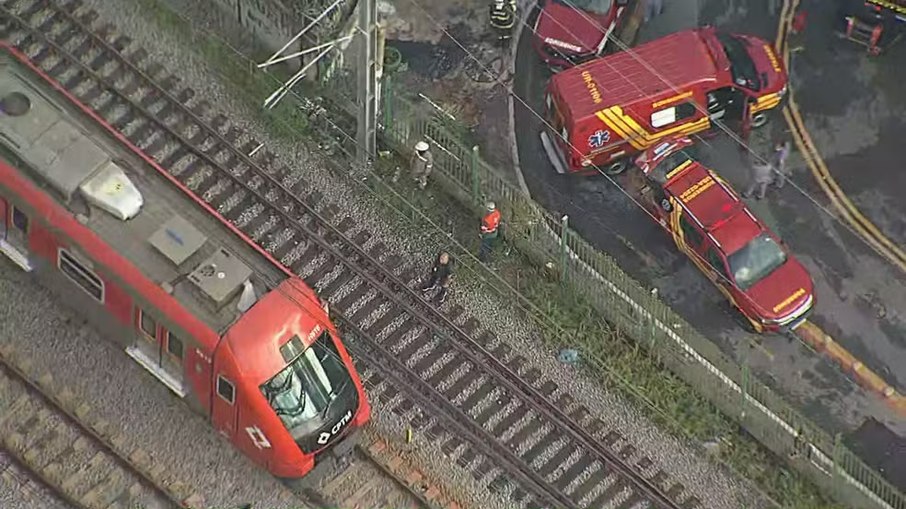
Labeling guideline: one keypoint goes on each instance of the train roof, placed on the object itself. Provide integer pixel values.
(683, 59)
(129, 204)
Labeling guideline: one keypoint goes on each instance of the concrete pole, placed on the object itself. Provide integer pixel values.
(366, 134)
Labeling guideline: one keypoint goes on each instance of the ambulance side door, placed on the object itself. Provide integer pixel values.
(686, 234)
(725, 104)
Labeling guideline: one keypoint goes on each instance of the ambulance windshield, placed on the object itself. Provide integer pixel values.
(601, 7)
(756, 260)
(742, 67)
(303, 392)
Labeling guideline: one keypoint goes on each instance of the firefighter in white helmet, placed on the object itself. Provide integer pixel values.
(421, 164)
(503, 18)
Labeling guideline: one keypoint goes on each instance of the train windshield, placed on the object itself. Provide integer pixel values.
(304, 393)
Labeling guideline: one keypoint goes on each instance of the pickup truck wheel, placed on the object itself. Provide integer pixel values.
(616, 167)
(760, 119)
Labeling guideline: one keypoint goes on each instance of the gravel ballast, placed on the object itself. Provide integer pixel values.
(711, 483)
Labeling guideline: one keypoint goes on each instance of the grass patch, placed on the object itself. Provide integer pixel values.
(607, 356)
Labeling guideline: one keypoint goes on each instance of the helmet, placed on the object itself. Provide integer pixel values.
(491, 206)
(421, 146)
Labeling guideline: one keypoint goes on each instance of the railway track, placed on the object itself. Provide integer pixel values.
(367, 482)
(64, 455)
(30, 490)
(464, 388)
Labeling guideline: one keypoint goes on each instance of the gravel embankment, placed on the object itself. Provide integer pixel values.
(715, 487)
(19, 491)
(121, 392)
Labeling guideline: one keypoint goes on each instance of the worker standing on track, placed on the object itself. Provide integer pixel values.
(490, 224)
(503, 18)
(441, 274)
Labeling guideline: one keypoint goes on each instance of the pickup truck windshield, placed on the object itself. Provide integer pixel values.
(302, 392)
(601, 7)
(741, 65)
(756, 260)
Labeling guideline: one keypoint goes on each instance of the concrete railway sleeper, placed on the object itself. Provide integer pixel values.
(65, 455)
(563, 454)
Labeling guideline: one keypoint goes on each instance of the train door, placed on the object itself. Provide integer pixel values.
(160, 351)
(14, 228)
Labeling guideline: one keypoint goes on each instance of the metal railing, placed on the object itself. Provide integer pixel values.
(621, 300)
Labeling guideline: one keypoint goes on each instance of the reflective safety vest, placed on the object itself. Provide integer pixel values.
(503, 14)
(490, 222)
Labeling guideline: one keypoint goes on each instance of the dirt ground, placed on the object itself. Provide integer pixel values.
(452, 63)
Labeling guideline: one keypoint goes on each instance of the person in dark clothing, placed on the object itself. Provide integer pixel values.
(441, 274)
(503, 18)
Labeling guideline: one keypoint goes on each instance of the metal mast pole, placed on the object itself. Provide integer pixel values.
(366, 134)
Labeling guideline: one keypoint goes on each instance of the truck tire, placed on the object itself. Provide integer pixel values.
(760, 119)
(616, 167)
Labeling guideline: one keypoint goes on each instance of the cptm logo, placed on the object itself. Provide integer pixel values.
(599, 138)
(325, 436)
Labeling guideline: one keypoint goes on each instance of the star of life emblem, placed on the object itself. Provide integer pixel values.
(599, 138)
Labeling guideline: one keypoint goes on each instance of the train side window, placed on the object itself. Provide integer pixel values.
(80, 275)
(174, 345)
(20, 220)
(226, 390)
(148, 325)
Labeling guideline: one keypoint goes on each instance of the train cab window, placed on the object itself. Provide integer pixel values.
(226, 390)
(672, 114)
(80, 275)
(20, 220)
(174, 345)
(148, 325)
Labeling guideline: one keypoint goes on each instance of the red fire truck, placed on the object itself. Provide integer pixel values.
(569, 32)
(605, 111)
(708, 221)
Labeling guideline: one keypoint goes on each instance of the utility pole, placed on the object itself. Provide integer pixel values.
(366, 134)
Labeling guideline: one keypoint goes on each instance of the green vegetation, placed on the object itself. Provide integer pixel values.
(608, 356)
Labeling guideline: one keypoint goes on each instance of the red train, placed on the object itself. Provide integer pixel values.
(202, 308)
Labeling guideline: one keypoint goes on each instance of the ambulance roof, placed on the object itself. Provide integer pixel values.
(716, 208)
(682, 59)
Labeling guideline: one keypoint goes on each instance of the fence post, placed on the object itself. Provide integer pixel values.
(838, 452)
(744, 386)
(388, 100)
(476, 181)
(564, 247)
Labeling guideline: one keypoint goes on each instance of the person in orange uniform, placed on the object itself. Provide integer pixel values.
(490, 223)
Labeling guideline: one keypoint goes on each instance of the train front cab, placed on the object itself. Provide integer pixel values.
(286, 390)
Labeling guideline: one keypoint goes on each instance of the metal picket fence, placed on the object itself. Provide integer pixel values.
(634, 310)
(621, 300)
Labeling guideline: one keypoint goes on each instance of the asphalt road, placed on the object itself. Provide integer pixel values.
(854, 109)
